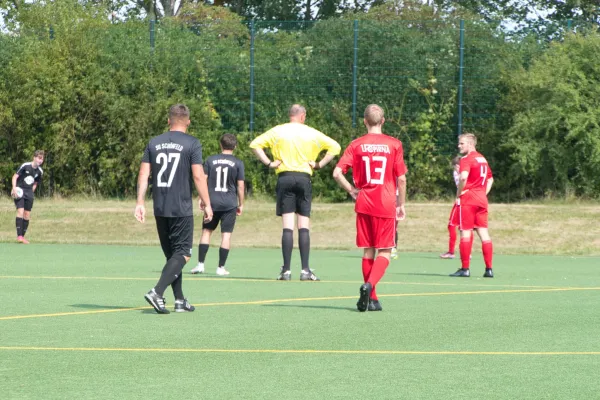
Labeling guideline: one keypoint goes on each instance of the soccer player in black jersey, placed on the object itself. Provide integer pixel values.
(226, 190)
(27, 177)
(175, 160)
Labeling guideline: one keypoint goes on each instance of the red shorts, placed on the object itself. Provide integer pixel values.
(454, 219)
(375, 232)
(472, 217)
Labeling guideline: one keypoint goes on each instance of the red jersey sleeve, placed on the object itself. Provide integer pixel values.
(345, 162)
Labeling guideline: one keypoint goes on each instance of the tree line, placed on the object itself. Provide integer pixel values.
(91, 90)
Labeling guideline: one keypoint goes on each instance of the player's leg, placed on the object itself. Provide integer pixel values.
(176, 240)
(19, 204)
(395, 248)
(182, 242)
(467, 221)
(227, 225)
(453, 222)
(384, 228)
(303, 190)
(28, 205)
(286, 207)
(207, 230)
(155, 297)
(481, 223)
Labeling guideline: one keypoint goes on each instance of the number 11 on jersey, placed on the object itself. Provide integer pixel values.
(221, 185)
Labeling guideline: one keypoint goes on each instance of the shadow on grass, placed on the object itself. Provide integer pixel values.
(353, 309)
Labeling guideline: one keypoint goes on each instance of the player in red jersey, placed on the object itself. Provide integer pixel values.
(474, 184)
(378, 169)
(453, 221)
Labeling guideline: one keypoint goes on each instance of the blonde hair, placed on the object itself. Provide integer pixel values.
(373, 115)
(469, 136)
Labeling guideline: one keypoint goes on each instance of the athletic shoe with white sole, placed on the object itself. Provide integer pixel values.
(198, 269)
(221, 271)
(284, 275)
(156, 301)
(308, 275)
(183, 306)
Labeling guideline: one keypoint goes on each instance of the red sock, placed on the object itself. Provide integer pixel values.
(379, 267)
(488, 252)
(452, 241)
(367, 266)
(465, 251)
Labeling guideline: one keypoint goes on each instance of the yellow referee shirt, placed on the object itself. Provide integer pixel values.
(295, 144)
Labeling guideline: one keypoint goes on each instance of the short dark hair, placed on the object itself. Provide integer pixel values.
(38, 153)
(179, 112)
(228, 141)
(296, 109)
(456, 160)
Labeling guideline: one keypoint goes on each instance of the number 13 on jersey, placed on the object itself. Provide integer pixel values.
(378, 164)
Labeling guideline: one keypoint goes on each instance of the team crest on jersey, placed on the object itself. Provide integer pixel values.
(29, 180)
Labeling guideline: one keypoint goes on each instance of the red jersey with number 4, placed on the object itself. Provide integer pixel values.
(479, 174)
(377, 160)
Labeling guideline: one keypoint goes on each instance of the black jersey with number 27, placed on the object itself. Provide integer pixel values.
(171, 156)
(223, 172)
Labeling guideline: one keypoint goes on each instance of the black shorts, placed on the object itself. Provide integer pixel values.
(227, 219)
(25, 202)
(176, 235)
(294, 193)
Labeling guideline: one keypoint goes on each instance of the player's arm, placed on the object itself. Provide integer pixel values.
(488, 186)
(333, 149)
(260, 143)
(462, 182)
(401, 197)
(241, 187)
(341, 180)
(13, 192)
(201, 183)
(142, 187)
(260, 154)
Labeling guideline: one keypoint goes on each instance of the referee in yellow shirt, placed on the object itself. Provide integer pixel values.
(295, 147)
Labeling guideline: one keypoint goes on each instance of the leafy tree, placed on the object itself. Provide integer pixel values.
(554, 141)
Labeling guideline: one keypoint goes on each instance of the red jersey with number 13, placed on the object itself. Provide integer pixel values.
(377, 160)
(479, 174)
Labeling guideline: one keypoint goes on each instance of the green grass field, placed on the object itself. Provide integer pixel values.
(74, 324)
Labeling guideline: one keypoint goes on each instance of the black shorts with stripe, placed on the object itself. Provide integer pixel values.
(176, 235)
(294, 193)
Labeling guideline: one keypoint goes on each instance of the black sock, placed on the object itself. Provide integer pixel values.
(202, 250)
(287, 244)
(177, 287)
(25, 226)
(304, 245)
(396, 239)
(19, 224)
(170, 273)
(223, 253)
